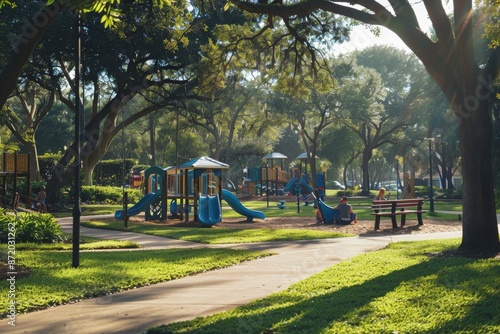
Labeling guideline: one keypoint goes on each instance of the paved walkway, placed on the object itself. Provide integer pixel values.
(199, 295)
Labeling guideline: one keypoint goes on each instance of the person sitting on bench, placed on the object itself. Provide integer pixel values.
(346, 215)
(380, 196)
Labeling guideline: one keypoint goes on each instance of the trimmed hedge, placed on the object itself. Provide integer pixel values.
(108, 195)
(424, 191)
(420, 191)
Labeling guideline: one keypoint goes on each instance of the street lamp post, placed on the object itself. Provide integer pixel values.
(76, 207)
(431, 199)
(397, 177)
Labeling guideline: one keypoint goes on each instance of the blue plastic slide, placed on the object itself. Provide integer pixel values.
(209, 210)
(290, 184)
(303, 182)
(327, 212)
(138, 207)
(236, 205)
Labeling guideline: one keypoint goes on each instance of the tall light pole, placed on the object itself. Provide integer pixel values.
(431, 199)
(76, 207)
(397, 177)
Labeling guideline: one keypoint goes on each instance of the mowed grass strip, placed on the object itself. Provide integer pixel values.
(405, 288)
(53, 281)
(216, 235)
(86, 243)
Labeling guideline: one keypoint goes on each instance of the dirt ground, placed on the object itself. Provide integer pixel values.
(362, 228)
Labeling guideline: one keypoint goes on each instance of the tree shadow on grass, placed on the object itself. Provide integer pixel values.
(351, 309)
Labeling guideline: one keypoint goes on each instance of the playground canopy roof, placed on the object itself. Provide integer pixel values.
(275, 155)
(204, 163)
(303, 156)
(170, 170)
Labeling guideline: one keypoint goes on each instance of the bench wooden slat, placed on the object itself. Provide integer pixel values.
(388, 214)
(388, 206)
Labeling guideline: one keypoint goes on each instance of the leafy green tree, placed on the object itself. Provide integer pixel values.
(125, 66)
(24, 33)
(404, 82)
(309, 116)
(452, 64)
(32, 106)
(56, 130)
(446, 148)
(341, 147)
(288, 143)
(40, 19)
(6, 143)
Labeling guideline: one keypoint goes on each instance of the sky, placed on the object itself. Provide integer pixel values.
(362, 38)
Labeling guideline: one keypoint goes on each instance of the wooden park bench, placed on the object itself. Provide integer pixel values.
(400, 207)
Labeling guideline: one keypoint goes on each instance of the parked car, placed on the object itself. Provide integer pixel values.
(392, 187)
(338, 186)
(351, 184)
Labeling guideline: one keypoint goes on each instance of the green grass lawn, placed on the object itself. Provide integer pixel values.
(405, 288)
(216, 235)
(53, 281)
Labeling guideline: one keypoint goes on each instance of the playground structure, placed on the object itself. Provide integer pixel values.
(263, 178)
(14, 166)
(195, 185)
(270, 178)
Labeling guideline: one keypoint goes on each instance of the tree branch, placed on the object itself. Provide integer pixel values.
(440, 22)
(463, 34)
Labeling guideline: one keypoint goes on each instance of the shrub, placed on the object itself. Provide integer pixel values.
(424, 191)
(452, 193)
(101, 194)
(349, 192)
(30, 227)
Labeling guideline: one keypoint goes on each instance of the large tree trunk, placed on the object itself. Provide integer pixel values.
(367, 155)
(452, 65)
(480, 229)
(34, 166)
